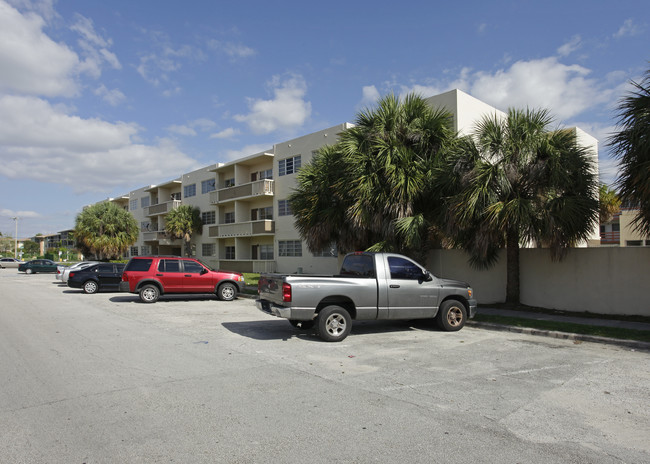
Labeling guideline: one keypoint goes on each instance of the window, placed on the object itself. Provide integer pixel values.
(267, 174)
(359, 266)
(134, 251)
(177, 196)
(230, 182)
(208, 186)
(209, 217)
(189, 191)
(290, 248)
(139, 265)
(105, 268)
(192, 267)
(284, 208)
(259, 214)
(144, 202)
(229, 218)
(145, 226)
(634, 243)
(230, 252)
(401, 268)
(208, 249)
(145, 250)
(266, 251)
(616, 227)
(330, 252)
(133, 205)
(288, 166)
(169, 265)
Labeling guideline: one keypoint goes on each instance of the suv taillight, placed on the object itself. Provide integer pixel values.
(286, 292)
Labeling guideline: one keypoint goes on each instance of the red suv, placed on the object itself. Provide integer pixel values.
(152, 276)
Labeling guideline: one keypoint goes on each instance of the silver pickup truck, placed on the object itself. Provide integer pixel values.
(370, 286)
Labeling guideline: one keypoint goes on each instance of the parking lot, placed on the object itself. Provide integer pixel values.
(106, 378)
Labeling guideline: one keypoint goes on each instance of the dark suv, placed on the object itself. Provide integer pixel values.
(152, 276)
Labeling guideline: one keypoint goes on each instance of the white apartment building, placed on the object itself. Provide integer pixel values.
(248, 224)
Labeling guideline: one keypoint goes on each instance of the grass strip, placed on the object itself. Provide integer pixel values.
(570, 327)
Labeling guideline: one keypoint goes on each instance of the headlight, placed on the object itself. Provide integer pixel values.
(469, 291)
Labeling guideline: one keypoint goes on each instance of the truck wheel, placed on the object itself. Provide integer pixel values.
(334, 324)
(305, 325)
(90, 286)
(451, 316)
(149, 294)
(226, 292)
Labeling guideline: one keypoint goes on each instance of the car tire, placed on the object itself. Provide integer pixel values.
(334, 323)
(90, 286)
(149, 294)
(226, 291)
(304, 325)
(28, 271)
(451, 316)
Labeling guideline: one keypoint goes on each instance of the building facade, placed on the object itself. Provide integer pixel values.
(248, 223)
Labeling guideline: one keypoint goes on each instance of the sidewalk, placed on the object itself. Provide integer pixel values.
(587, 321)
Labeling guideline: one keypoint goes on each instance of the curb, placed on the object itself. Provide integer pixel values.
(636, 345)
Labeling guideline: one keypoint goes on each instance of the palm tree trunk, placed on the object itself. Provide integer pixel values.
(512, 267)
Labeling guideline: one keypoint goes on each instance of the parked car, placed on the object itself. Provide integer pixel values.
(65, 272)
(37, 265)
(152, 276)
(95, 277)
(11, 263)
(370, 286)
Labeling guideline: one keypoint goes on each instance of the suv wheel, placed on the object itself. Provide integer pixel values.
(226, 292)
(149, 294)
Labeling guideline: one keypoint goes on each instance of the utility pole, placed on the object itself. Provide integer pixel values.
(16, 238)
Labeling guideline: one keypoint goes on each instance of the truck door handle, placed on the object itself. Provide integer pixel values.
(158, 275)
(188, 275)
(394, 286)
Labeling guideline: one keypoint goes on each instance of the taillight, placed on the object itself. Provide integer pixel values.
(286, 292)
(125, 278)
(71, 274)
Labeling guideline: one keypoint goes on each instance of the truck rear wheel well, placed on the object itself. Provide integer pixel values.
(341, 301)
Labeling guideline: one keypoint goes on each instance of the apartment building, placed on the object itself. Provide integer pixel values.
(619, 231)
(248, 223)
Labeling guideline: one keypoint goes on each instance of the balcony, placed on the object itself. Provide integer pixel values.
(161, 208)
(161, 237)
(242, 229)
(238, 192)
(610, 238)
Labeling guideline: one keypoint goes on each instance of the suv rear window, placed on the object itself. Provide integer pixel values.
(139, 265)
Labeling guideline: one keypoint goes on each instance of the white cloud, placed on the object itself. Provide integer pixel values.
(202, 124)
(225, 134)
(112, 97)
(571, 46)
(370, 95)
(30, 62)
(629, 28)
(19, 214)
(287, 110)
(231, 49)
(43, 143)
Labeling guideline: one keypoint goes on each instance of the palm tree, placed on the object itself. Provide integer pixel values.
(183, 222)
(609, 203)
(105, 230)
(631, 145)
(371, 189)
(517, 182)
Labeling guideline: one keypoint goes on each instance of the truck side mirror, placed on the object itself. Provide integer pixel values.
(427, 276)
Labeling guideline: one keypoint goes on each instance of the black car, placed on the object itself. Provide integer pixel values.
(103, 276)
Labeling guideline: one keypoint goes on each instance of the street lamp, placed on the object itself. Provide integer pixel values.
(16, 238)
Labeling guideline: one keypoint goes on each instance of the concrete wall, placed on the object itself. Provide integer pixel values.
(597, 280)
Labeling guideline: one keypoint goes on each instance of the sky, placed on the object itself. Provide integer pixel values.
(98, 98)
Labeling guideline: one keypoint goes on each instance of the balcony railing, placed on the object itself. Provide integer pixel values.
(160, 236)
(242, 229)
(161, 208)
(251, 189)
(610, 238)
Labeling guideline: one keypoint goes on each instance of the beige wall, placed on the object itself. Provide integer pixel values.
(597, 280)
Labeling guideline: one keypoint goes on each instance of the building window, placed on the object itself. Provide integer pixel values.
(144, 202)
(288, 166)
(133, 205)
(208, 249)
(145, 250)
(208, 186)
(267, 174)
(230, 252)
(634, 243)
(259, 214)
(177, 196)
(134, 251)
(290, 248)
(616, 227)
(230, 182)
(284, 208)
(189, 191)
(330, 252)
(229, 218)
(209, 217)
(266, 251)
(145, 226)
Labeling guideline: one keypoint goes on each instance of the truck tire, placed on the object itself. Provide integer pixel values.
(334, 323)
(226, 291)
(451, 316)
(305, 325)
(149, 294)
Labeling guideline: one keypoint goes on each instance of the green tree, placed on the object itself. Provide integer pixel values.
(517, 182)
(631, 145)
(105, 230)
(183, 222)
(609, 203)
(31, 248)
(371, 190)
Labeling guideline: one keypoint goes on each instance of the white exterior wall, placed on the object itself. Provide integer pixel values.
(466, 109)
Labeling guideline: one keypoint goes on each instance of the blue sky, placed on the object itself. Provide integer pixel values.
(98, 98)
